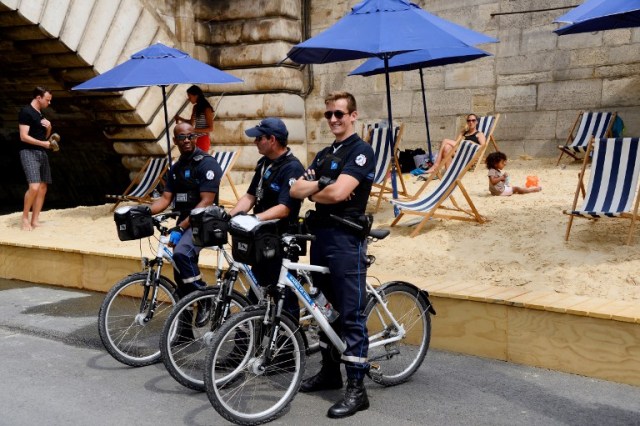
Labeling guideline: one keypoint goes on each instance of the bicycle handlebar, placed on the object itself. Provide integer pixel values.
(302, 237)
(159, 218)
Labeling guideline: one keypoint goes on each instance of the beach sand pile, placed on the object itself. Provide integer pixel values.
(521, 245)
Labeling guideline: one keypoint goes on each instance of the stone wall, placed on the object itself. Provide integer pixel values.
(249, 38)
(537, 80)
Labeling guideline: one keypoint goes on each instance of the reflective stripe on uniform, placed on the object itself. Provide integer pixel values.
(192, 279)
(354, 359)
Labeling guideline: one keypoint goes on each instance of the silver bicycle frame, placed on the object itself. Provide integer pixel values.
(288, 280)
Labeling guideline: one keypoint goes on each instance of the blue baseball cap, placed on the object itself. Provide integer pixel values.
(267, 127)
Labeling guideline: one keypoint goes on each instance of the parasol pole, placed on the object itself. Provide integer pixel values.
(426, 115)
(166, 122)
(391, 142)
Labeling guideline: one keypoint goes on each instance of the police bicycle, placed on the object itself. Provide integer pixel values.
(184, 343)
(134, 310)
(257, 357)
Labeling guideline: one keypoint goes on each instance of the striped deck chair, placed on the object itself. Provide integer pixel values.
(487, 126)
(226, 160)
(612, 191)
(142, 186)
(376, 135)
(429, 205)
(588, 126)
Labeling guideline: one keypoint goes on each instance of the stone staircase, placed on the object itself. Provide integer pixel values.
(249, 38)
(61, 43)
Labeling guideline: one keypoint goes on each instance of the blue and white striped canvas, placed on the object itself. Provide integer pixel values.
(461, 159)
(381, 150)
(156, 166)
(225, 159)
(614, 178)
(594, 124)
(485, 124)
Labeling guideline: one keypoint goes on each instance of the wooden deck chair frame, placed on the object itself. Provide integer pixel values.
(143, 184)
(573, 148)
(382, 179)
(622, 189)
(488, 134)
(226, 160)
(464, 156)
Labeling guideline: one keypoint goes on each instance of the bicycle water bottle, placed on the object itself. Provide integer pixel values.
(323, 304)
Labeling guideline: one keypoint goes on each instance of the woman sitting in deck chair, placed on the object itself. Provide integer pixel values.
(469, 132)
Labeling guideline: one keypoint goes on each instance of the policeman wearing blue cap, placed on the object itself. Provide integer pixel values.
(339, 181)
(268, 193)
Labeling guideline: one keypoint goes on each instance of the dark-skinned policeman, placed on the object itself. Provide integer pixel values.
(268, 193)
(193, 181)
(339, 182)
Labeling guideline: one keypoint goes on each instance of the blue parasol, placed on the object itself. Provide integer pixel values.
(383, 28)
(157, 65)
(598, 15)
(420, 59)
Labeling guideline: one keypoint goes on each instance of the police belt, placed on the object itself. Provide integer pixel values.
(359, 225)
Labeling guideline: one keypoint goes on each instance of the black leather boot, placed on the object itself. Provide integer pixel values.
(355, 399)
(204, 309)
(328, 378)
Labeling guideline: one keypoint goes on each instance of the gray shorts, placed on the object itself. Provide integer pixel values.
(35, 164)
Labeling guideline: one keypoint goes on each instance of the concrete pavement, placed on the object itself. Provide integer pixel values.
(54, 371)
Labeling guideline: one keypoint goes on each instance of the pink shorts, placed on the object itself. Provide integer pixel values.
(507, 191)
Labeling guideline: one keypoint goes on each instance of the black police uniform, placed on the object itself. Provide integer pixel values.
(270, 185)
(344, 251)
(189, 176)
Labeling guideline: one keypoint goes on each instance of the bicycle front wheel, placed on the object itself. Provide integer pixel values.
(127, 328)
(242, 385)
(393, 363)
(184, 344)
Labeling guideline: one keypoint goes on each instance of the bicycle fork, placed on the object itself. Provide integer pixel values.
(148, 307)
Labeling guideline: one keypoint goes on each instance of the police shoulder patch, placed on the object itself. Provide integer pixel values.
(361, 160)
(210, 175)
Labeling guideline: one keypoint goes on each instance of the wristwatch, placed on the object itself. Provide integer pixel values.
(324, 181)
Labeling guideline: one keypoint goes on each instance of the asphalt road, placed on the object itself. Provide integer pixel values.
(54, 371)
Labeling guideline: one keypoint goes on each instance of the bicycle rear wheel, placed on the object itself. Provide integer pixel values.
(125, 328)
(184, 345)
(241, 385)
(393, 363)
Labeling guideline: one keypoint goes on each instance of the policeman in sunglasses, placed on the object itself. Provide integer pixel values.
(193, 181)
(339, 182)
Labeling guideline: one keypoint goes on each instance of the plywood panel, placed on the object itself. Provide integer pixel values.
(100, 273)
(577, 344)
(41, 265)
(470, 327)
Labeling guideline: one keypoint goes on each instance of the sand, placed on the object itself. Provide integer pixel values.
(521, 245)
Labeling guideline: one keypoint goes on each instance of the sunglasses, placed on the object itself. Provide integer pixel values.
(339, 114)
(472, 121)
(190, 136)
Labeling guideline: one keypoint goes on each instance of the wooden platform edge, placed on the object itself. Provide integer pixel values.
(575, 334)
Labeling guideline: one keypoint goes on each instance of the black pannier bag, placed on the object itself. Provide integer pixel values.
(255, 244)
(133, 222)
(209, 226)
